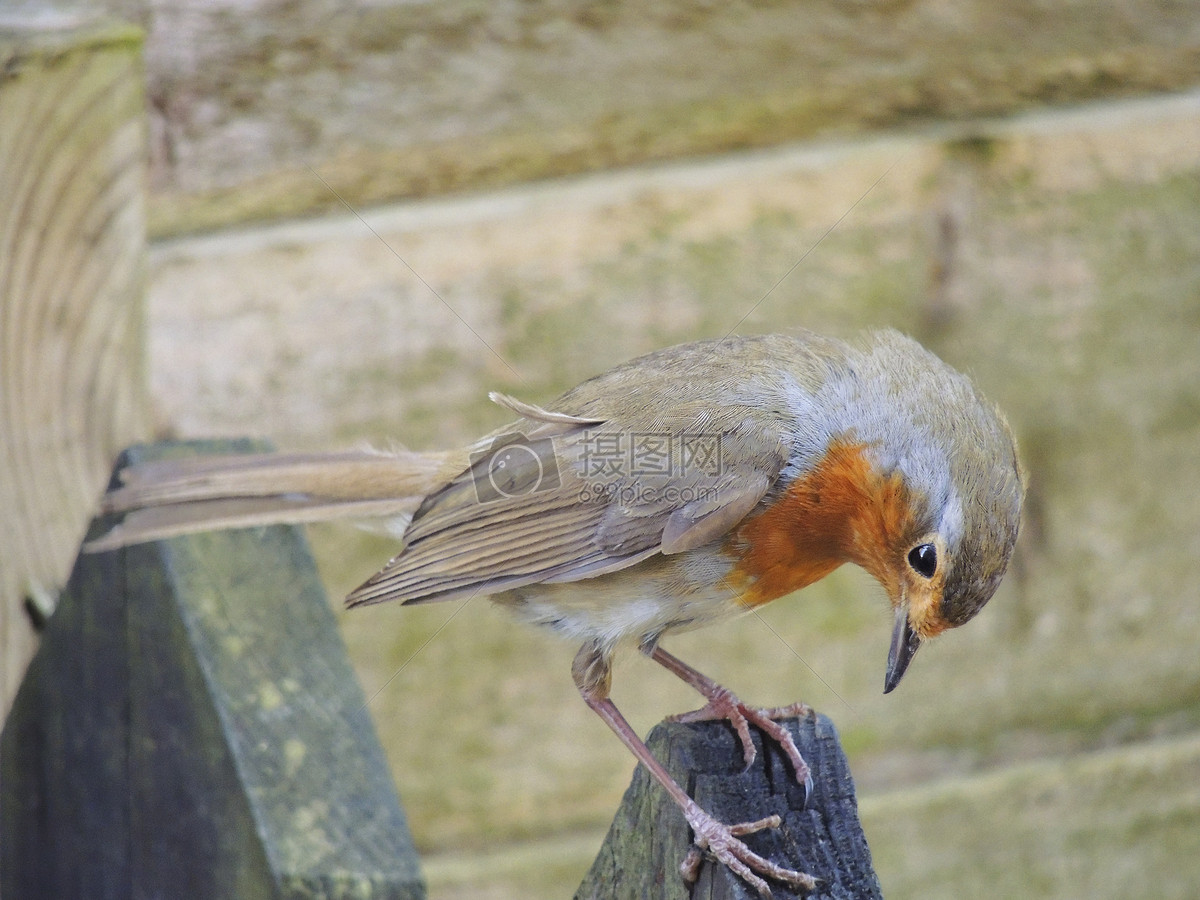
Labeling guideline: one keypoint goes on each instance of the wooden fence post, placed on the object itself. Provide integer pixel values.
(649, 837)
(72, 252)
(191, 728)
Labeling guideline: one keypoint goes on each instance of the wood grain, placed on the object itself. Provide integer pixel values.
(191, 728)
(72, 259)
(649, 837)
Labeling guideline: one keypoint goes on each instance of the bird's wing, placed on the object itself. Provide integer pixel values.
(561, 498)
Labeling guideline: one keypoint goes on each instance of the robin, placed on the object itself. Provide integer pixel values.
(678, 490)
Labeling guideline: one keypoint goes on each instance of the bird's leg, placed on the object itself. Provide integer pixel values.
(593, 677)
(724, 704)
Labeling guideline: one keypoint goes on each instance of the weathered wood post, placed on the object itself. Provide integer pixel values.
(191, 728)
(72, 251)
(649, 838)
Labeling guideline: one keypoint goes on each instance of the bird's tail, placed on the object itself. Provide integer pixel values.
(165, 498)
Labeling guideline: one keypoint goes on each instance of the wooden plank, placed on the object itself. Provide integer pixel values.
(1071, 255)
(191, 728)
(72, 261)
(1119, 822)
(649, 837)
(414, 99)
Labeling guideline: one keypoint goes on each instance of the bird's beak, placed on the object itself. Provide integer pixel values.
(905, 643)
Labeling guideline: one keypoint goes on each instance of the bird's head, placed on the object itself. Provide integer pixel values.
(947, 498)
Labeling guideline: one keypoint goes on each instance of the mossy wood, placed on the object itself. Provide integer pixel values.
(649, 837)
(191, 727)
(419, 99)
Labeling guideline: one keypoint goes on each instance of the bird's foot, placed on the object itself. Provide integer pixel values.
(724, 704)
(723, 843)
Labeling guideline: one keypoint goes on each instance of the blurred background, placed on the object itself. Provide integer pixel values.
(364, 216)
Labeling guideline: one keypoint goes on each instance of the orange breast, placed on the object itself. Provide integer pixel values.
(842, 511)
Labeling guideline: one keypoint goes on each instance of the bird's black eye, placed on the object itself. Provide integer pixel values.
(923, 559)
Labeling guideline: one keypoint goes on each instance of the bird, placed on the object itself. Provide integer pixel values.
(678, 490)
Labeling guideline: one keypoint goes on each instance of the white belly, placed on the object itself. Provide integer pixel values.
(657, 596)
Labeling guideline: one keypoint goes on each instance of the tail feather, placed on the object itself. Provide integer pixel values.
(166, 498)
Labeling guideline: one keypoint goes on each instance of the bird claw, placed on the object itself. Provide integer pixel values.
(724, 704)
(721, 842)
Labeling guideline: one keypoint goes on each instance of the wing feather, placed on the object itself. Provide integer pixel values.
(569, 523)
